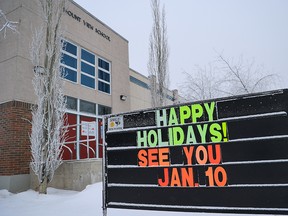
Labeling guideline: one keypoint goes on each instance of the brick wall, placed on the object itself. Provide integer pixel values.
(14, 138)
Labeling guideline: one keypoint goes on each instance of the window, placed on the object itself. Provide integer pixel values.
(103, 87)
(94, 72)
(71, 103)
(103, 110)
(70, 48)
(87, 107)
(88, 81)
(103, 64)
(104, 76)
(87, 56)
(70, 74)
(139, 82)
(69, 61)
(87, 69)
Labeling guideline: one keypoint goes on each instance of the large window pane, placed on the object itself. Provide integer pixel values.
(71, 103)
(68, 47)
(70, 74)
(103, 110)
(88, 107)
(87, 56)
(87, 81)
(104, 87)
(103, 64)
(87, 69)
(69, 61)
(103, 75)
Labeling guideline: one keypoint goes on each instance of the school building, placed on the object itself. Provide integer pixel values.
(98, 82)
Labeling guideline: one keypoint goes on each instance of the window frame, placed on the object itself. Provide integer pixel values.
(73, 56)
(105, 71)
(90, 64)
(79, 72)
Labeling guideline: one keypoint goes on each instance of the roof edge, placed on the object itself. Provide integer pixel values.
(98, 20)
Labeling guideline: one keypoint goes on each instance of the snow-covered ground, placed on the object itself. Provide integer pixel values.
(69, 203)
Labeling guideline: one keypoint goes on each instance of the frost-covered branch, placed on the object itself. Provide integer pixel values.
(48, 116)
(226, 77)
(7, 24)
(244, 77)
(202, 84)
(158, 56)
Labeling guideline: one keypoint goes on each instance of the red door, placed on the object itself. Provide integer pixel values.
(69, 149)
(87, 147)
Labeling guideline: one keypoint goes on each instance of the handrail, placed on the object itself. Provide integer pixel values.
(83, 142)
(89, 148)
(71, 153)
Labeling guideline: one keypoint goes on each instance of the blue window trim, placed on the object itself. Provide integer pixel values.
(139, 82)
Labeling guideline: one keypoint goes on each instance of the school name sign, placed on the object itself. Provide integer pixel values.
(223, 155)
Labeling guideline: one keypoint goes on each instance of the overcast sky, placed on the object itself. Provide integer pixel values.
(256, 29)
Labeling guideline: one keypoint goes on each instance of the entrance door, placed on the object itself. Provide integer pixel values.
(84, 138)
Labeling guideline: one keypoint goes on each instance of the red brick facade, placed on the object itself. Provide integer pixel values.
(14, 138)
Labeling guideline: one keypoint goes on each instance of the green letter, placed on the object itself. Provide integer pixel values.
(160, 118)
(190, 135)
(178, 135)
(152, 138)
(173, 117)
(210, 110)
(216, 135)
(185, 113)
(141, 139)
(197, 112)
(160, 142)
(202, 132)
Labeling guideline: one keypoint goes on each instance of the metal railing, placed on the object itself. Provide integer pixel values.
(75, 148)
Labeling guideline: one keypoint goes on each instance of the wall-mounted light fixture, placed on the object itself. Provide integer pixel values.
(123, 97)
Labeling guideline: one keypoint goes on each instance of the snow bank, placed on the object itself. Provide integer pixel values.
(69, 203)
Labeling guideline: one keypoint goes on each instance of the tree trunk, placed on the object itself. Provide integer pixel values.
(43, 186)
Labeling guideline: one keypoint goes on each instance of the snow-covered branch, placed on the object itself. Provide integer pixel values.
(226, 77)
(158, 56)
(7, 24)
(48, 116)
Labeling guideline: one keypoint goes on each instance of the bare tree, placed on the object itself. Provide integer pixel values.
(226, 78)
(6, 24)
(47, 136)
(158, 56)
(202, 84)
(243, 77)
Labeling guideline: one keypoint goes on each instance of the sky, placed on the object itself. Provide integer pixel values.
(199, 29)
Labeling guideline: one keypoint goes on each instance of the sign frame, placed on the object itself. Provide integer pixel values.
(239, 154)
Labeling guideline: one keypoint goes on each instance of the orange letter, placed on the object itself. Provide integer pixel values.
(164, 157)
(220, 170)
(188, 154)
(153, 157)
(175, 180)
(217, 158)
(166, 179)
(204, 153)
(187, 177)
(142, 160)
